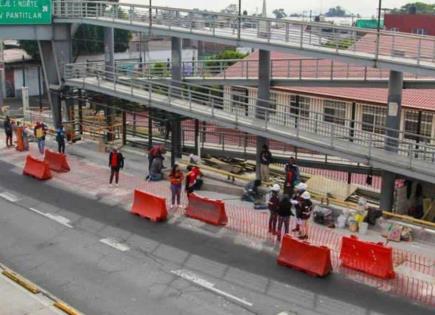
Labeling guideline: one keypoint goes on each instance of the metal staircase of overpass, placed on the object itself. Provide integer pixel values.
(391, 50)
(272, 120)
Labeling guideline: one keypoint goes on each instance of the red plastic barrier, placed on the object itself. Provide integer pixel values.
(36, 168)
(56, 161)
(149, 206)
(314, 260)
(371, 258)
(207, 210)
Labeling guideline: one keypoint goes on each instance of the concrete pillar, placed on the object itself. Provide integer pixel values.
(109, 51)
(176, 75)
(80, 104)
(263, 95)
(124, 128)
(54, 55)
(150, 129)
(196, 136)
(395, 86)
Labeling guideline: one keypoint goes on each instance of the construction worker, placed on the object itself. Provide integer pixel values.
(296, 199)
(305, 208)
(273, 205)
(284, 214)
(116, 162)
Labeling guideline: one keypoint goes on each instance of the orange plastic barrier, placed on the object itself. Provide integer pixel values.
(56, 161)
(207, 210)
(371, 258)
(36, 168)
(314, 260)
(149, 206)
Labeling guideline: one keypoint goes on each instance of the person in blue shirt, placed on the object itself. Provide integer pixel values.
(60, 138)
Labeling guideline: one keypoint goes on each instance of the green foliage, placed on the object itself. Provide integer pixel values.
(279, 13)
(422, 8)
(227, 54)
(160, 69)
(336, 12)
(31, 47)
(341, 44)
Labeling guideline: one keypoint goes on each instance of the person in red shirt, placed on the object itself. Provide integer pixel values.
(176, 180)
(116, 162)
(193, 180)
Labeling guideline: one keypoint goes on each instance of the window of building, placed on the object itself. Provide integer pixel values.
(412, 131)
(420, 31)
(240, 99)
(303, 110)
(334, 112)
(374, 118)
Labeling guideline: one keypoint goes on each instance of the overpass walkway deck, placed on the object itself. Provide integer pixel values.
(391, 50)
(270, 120)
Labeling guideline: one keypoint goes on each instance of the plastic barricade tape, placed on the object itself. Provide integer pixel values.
(313, 260)
(56, 161)
(36, 168)
(371, 258)
(149, 206)
(206, 210)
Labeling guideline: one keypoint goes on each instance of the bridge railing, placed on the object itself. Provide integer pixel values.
(262, 114)
(318, 37)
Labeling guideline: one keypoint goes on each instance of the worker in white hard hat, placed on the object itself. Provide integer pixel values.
(273, 205)
(296, 200)
(305, 208)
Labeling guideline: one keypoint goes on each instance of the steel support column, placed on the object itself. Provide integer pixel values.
(176, 76)
(109, 51)
(264, 74)
(395, 86)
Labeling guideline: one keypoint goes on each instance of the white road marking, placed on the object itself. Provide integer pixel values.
(190, 276)
(57, 218)
(9, 197)
(115, 244)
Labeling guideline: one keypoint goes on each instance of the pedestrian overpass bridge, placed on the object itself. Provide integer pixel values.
(272, 120)
(391, 50)
(284, 72)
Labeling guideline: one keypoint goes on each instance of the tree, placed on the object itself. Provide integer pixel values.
(336, 12)
(421, 8)
(227, 54)
(279, 13)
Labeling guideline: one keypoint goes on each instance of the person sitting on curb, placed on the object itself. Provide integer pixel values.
(251, 192)
(193, 179)
(273, 205)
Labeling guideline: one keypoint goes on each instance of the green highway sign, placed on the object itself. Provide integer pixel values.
(16, 12)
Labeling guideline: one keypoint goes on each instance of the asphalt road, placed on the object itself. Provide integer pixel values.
(59, 240)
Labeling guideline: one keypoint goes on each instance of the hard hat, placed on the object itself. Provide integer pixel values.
(275, 187)
(306, 195)
(301, 186)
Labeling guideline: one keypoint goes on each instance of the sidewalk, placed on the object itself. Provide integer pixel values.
(415, 265)
(16, 300)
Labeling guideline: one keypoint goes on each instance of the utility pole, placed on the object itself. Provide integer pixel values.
(239, 20)
(378, 34)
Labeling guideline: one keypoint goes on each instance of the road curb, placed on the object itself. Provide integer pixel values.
(33, 288)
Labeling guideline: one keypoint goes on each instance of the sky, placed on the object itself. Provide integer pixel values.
(366, 8)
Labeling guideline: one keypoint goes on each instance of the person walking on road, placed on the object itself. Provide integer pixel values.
(40, 131)
(296, 200)
(116, 162)
(156, 170)
(156, 151)
(265, 160)
(273, 205)
(60, 139)
(7, 125)
(176, 180)
(284, 213)
(305, 208)
(292, 176)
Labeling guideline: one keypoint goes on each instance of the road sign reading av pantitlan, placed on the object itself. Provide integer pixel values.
(25, 12)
